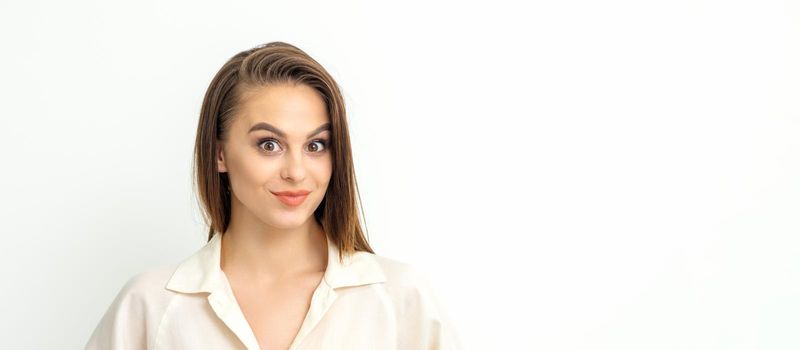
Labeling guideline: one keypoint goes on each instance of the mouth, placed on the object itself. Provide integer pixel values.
(292, 198)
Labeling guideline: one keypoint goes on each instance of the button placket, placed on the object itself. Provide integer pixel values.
(228, 311)
(321, 301)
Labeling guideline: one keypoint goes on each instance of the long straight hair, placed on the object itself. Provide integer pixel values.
(264, 65)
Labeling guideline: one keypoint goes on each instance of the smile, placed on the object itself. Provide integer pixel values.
(292, 200)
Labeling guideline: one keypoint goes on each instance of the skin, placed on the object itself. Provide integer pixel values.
(275, 255)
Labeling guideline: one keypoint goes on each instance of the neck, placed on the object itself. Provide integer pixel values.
(265, 253)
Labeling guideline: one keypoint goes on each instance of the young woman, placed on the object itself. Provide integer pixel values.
(286, 265)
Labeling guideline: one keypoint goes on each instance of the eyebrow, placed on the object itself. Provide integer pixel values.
(279, 132)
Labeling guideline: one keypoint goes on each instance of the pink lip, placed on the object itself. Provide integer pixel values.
(292, 193)
(291, 200)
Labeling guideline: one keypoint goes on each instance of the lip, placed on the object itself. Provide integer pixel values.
(291, 198)
(292, 193)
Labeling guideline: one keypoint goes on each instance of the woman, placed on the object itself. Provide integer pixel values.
(286, 265)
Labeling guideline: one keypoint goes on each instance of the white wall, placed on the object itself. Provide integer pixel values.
(572, 174)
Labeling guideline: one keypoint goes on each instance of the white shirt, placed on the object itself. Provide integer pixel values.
(367, 302)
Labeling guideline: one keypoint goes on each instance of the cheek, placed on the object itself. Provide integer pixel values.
(319, 173)
(324, 171)
(254, 171)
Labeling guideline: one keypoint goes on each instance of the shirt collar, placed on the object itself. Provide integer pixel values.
(201, 271)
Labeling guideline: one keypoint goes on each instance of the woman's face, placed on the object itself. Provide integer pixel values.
(278, 142)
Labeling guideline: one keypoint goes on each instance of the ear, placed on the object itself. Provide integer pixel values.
(220, 158)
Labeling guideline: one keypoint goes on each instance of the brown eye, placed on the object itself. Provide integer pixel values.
(317, 144)
(269, 145)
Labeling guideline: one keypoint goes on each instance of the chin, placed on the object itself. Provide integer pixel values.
(287, 220)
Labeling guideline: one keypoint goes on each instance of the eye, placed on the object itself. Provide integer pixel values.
(268, 142)
(323, 143)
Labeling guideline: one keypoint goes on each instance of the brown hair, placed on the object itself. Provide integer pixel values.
(264, 65)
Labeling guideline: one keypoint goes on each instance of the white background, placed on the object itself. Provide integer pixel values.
(571, 174)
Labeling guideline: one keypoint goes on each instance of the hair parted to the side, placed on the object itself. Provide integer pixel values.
(264, 65)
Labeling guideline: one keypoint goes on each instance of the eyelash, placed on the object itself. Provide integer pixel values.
(324, 143)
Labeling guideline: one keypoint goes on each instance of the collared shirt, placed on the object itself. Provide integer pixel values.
(366, 302)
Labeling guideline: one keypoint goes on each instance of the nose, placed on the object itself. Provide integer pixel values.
(293, 168)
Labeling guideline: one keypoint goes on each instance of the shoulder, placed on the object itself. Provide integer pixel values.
(149, 280)
(148, 285)
(135, 311)
(400, 273)
(144, 292)
(408, 283)
(424, 321)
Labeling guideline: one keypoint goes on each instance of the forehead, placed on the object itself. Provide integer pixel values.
(294, 108)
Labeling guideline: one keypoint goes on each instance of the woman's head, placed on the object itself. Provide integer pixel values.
(274, 120)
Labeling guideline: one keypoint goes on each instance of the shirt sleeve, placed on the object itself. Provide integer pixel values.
(431, 327)
(442, 334)
(123, 324)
